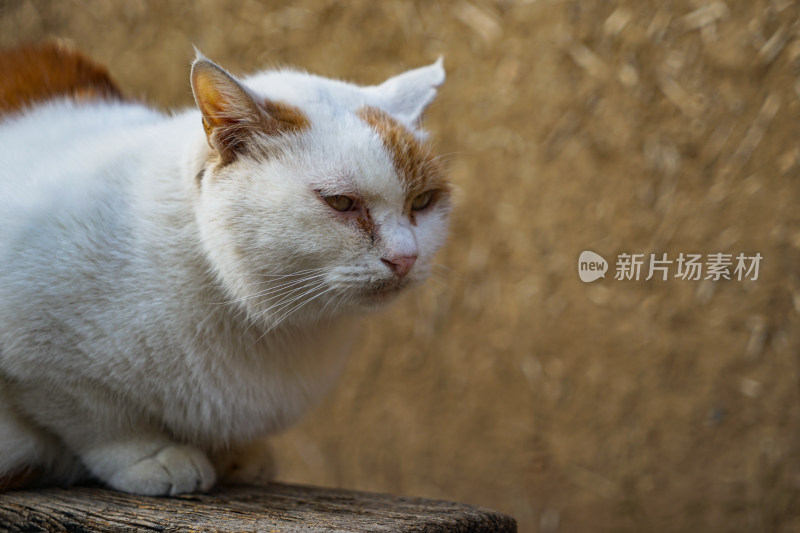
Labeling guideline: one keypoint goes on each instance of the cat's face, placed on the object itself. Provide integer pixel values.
(318, 196)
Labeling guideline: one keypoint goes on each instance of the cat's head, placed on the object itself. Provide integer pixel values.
(316, 195)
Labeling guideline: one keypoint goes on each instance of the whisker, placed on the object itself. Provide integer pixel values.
(294, 308)
(285, 299)
(440, 270)
(220, 285)
(436, 279)
(306, 271)
(290, 298)
(298, 306)
(339, 291)
(442, 266)
(274, 289)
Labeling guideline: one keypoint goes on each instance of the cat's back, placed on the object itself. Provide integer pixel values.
(37, 73)
(61, 117)
(66, 134)
(52, 97)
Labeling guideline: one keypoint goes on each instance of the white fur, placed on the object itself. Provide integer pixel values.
(137, 327)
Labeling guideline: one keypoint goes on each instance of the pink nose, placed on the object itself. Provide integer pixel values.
(401, 264)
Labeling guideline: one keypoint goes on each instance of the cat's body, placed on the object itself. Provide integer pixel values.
(169, 292)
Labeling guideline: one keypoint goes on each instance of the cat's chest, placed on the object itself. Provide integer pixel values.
(241, 391)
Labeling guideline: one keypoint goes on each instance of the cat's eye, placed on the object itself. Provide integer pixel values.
(421, 201)
(340, 202)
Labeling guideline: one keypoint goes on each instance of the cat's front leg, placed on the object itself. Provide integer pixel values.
(151, 466)
(252, 463)
(114, 441)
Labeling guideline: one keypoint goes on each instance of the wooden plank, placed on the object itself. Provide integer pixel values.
(275, 508)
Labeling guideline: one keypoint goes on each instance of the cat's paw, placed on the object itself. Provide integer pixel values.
(170, 471)
(252, 464)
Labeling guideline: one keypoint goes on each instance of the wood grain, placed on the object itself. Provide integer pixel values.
(276, 508)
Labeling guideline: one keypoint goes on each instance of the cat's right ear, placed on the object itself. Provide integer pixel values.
(407, 95)
(230, 112)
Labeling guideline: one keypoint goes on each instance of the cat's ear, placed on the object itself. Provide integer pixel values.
(407, 95)
(230, 111)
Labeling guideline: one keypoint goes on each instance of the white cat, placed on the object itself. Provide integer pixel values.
(174, 287)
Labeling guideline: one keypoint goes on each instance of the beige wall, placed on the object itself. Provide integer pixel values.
(569, 125)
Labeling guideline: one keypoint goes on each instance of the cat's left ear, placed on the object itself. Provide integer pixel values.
(229, 110)
(407, 95)
(233, 117)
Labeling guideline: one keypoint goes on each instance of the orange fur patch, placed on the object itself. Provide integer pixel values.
(37, 73)
(416, 167)
(366, 223)
(285, 118)
(231, 137)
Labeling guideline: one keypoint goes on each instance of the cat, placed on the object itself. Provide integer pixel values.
(175, 287)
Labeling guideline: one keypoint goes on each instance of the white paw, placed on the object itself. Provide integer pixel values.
(170, 471)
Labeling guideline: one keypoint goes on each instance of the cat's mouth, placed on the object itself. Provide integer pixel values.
(384, 291)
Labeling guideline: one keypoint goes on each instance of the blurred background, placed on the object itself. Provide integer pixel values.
(619, 127)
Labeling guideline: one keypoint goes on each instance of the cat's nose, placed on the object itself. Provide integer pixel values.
(400, 264)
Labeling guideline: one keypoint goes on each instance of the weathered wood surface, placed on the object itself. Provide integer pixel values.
(276, 508)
